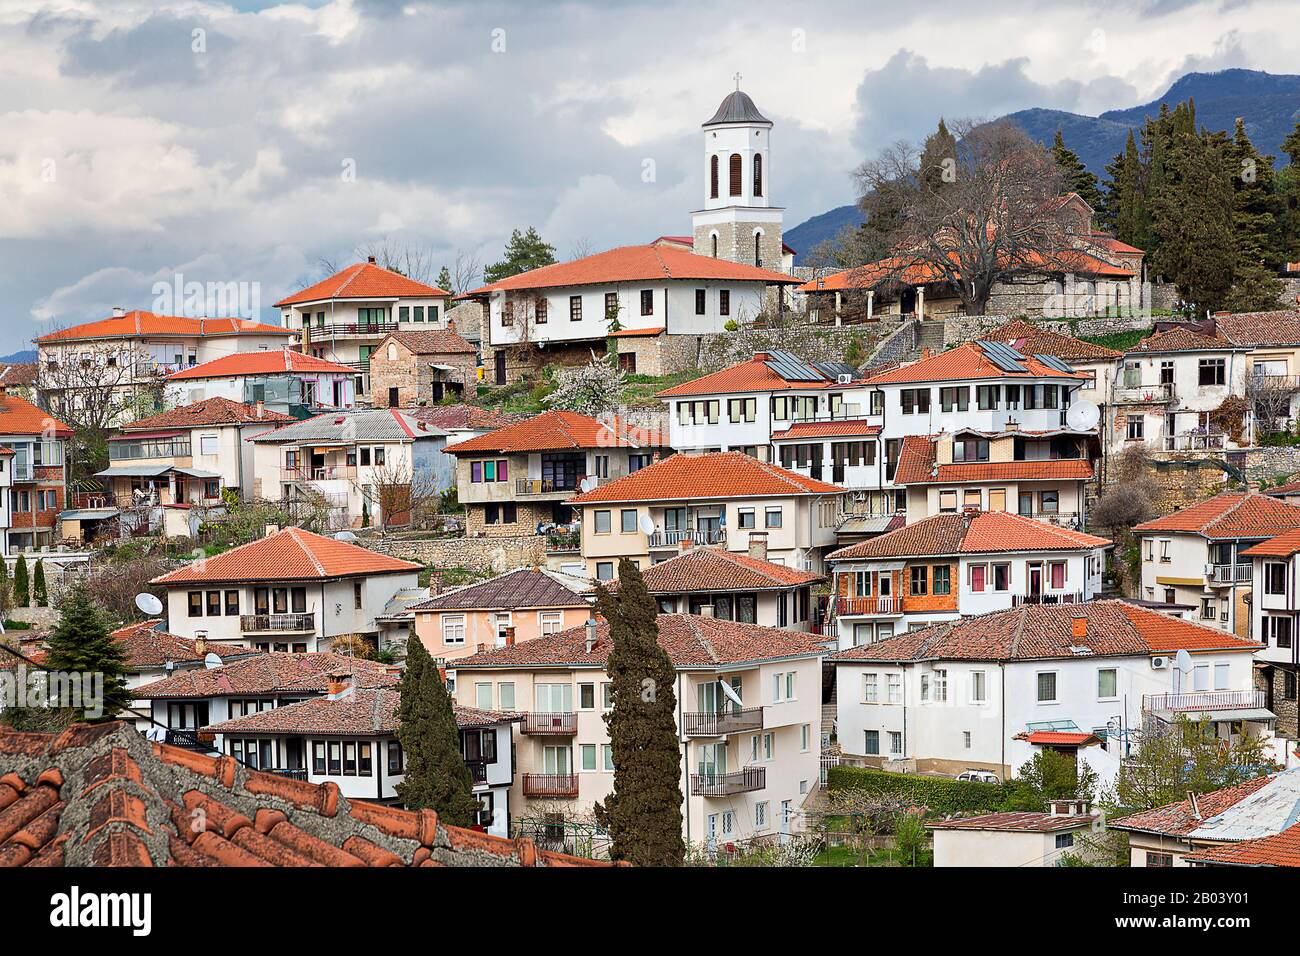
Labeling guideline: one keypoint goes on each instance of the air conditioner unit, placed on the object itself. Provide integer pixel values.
(1159, 663)
(843, 379)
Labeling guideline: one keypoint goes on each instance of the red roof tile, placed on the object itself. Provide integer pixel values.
(1233, 514)
(261, 362)
(140, 323)
(20, 417)
(727, 474)
(432, 342)
(752, 375)
(847, 427)
(635, 264)
(1254, 329)
(712, 569)
(985, 532)
(450, 417)
(1060, 738)
(1179, 819)
(365, 280)
(1282, 546)
(689, 639)
(551, 431)
(1280, 849)
(914, 272)
(1030, 339)
(210, 411)
(266, 673)
(291, 554)
(916, 466)
(360, 712)
(145, 644)
(514, 590)
(1047, 632)
(18, 376)
(99, 795)
(1182, 339)
(963, 363)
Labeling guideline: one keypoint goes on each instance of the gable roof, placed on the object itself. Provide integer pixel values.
(267, 673)
(291, 554)
(713, 569)
(1030, 339)
(514, 590)
(146, 644)
(1280, 849)
(1182, 338)
(966, 362)
(353, 425)
(690, 640)
(1233, 514)
(99, 795)
(1181, 818)
(557, 430)
(462, 416)
(20, 417)
(985, 532)
(210, 411)
(1255, 329)
(261, 362)
(364, 280)
(725, 474)
(431, 342)
(138, 323)
(916, 466)
(22, 375)
(1047, 632)
(910, 271)
(648, 263)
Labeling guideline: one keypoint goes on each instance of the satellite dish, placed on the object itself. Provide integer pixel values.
(211, 660)
(731, 695)
(1183, 661)
(148, 603)
(1083, 415)
(347, 536)
(647, 524)
(587, 484)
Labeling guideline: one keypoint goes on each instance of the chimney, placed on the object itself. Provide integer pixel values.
(1068, 808)
(1079, 627)
(1196, 804)
(118, 312)
(337, 684)
(435, 583)
(510, 636)
(200, 642)
(758, 545)
(761, 356)
(272, 529)
(261, 408)
(925, 353)
(370, 259)
(685, 544)
(591, 634)
(451, 324)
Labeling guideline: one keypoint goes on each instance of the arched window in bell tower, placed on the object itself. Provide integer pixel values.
(758, 249)
(713, 176)
(758, 174)
(737, 177)
(714, 240)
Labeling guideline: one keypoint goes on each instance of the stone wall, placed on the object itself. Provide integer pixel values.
(527, 517)
(1183, 483)
(736, 242)
(494, 555)
(967, 328)
(1273, 679)
(411, 376)
(812, 343)
(1264, 463)
(896, 346)
(467, 320)
(661, 354)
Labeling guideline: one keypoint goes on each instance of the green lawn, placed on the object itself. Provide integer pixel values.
(849, 856)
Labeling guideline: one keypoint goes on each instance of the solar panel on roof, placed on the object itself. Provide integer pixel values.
(1003, 356)
(1051, 361)
(835, 369)
(792, 368)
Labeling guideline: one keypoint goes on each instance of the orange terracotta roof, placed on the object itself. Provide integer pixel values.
(18, 376)
(635, 264)
(20, 417)
(1061, 469)
(1255, 329)
(915, 460)
(1061, 738)
(269, 672)
(261, 362)
(210, 411)
(911, 271)
(140, 323)
(727, 474)
(99, 795)
(431, 342)
(691, 641)
(847, 427)
(752, 375)
(1030, 339)
(1282, 546)
(712, 569)
(1181, 818)
(1048, 632)
(359, 712)
(985, 532)
(291, 554)
(514, 590)
(1111, 244)
(1280, 849)
(638, 333)
(145, 644)
(364, 280)
(965, 362)
(1233, 514)
(1183, 339)
(551, 431)
(449, 417)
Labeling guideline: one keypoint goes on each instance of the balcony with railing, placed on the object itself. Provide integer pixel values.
(1197, 440)
(671, 539)
(1144, 394)
(339, 330)
(876, 606)
(277, 623)
(293, 773)
(1229, 573)
(719, 724)
(727, 784)
(1048, 597)
(1204, 700)
(550, 785)
(1058, 519)
(563, 541)
(557, 724)
(128, 450)
(308, 473)
(478, 770)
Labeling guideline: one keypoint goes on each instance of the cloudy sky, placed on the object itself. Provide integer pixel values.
(244, 142)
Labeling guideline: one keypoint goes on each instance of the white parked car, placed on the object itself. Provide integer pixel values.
(978, 776)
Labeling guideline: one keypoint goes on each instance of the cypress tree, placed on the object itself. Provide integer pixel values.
(643, 813)
(82, 643)
(38, 584)
(22, 592)
(6, 589)
(1288, 188)
(436, 776)
(938, 157)
(1076, 177)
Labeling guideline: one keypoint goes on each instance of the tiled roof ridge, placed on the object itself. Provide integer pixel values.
(1231, 510)
(295, 534)
(1017, 634)
(703, 640)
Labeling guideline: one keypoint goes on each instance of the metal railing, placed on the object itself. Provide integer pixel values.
(560, 724)
(560, 541)
(1059, 519)
(550, 785)
(293, 773)
(1196, 441)
(703, 724)
(1229, 573)
(320, 473)
(478, 770)
(1205, 700)
(1048, 597)
(670, 539)
(336, 329)
(544, 486)
(869, 606)
(253, 623)
(1129, 394)
(726, 784)
(147, 450)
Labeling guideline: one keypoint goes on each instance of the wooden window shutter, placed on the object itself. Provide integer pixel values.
(735, 174)
(758, 174)
(713, 177)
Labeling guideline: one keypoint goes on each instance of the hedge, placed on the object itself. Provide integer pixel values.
(939, 795)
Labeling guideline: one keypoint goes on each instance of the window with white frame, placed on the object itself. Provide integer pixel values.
(453, 629)
(978, 687)
(894, 688)
(483, 695)
(760, 815)
(551, 622)
(1107, 683)
(1047, 687)
(895, 743)
(870, 689)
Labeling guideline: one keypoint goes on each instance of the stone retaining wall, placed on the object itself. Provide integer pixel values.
(495, 555)
(967, 328)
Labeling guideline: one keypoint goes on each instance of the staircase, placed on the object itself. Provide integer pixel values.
(932, 336)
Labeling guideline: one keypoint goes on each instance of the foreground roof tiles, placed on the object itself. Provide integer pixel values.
(261, 362)
(965, 363)
(916, 466)
(99, 795)
(145, 645)
(690, 641)
(360, 712)
(267, 673)
(365, 280)
(20, 417)
(210, 411)
(1048, 632)
(1280, 849)
(1181, 818)
(1181, 338)
(985, 532)
(291, 554)
(726, 474)
(1233, 514)
(649, 263)
(555, 431)
(712, 569)
(514, 590)
(139, 323)
(1255, 329)
(433, 342)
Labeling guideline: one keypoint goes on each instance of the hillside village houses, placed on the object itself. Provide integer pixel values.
(283, 380)
(746, 768)
(345, 316)
(462, 421)
(289, 591)
(33, 474)
(1274, 605)
(409, 369)
(129, 354)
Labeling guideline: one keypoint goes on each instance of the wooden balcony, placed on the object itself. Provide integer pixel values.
(550, 785)
(720, 724)
(340, 330)
(555, 725)
(726, 784)
(887, 606)
(277, 623)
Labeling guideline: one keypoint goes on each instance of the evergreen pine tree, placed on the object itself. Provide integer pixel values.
(525, 251)
(38, 584)
(22, 592)
(1076, 177)
(436, 776)
(6, 588)
(444, 280)
(82, 643)
(1255, 207)
(939, 157)
(1288, 189)
(643, 813)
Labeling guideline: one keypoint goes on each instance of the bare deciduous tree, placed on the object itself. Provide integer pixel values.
(1270, 400)
(466, 271)
(401, 493)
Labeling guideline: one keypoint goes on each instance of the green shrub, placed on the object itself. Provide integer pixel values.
(939, 795)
